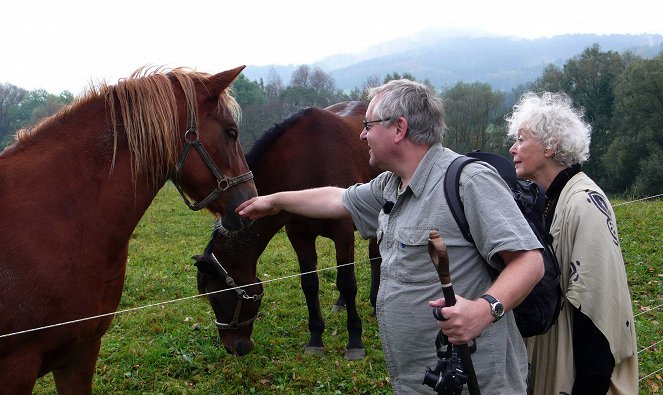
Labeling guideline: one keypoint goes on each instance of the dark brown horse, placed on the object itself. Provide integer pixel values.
(73, 189)
(314, 147)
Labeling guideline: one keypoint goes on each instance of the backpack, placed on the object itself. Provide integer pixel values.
(540, 309)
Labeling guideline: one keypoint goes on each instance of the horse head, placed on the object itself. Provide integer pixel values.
(211, 168)
(233, 289)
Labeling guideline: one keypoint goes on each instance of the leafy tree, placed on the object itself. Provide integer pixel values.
(552, 80)
(309, 86)
(471, 113)
(632, 160)
(10, 97)
(32, 107)
(361, 93)
(66, 97)
(650, 179)
(396, 76)
(248, 92)
(274, 86)
(589, 79)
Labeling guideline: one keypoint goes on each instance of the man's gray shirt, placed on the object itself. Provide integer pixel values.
(408, 279)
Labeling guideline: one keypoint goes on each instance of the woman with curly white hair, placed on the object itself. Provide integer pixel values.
(592, 348)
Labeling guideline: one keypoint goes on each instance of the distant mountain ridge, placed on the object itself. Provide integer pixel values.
(445, 58)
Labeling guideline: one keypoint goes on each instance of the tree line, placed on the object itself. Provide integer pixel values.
(622, 95)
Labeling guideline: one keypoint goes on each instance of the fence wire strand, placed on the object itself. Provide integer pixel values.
(638, 200)
(285, 278)
(174, 300)
(648, 310)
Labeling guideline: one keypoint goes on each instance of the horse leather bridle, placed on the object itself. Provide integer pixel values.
(223, 183)
(241, 296)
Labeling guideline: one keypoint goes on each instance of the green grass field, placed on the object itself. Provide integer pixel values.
(173, 348)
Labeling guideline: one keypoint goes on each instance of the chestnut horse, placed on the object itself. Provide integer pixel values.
(74, 188)
(314, 147)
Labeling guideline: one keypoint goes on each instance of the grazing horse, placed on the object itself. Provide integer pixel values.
(314, 147)
(74, 188)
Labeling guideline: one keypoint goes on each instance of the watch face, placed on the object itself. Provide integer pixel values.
(499, 309)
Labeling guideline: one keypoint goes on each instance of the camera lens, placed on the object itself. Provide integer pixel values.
(432, 378)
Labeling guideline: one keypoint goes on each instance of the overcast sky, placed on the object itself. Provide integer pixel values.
(67, 44)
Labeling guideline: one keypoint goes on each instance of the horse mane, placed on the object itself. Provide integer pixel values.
(148, 115)
(271, 135)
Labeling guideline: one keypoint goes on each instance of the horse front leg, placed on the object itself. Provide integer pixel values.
(75, 377)
(304, 246)
(346, 283)
(19, 371)
(376, 261)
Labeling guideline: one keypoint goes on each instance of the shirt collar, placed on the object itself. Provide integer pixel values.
(420, 176)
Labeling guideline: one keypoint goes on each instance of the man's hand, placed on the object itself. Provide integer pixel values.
(465, 320)
(257, 207)
(323, 202)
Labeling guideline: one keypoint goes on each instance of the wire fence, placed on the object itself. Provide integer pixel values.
(335, 267)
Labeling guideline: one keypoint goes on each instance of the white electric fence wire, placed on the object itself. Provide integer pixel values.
(279, 279)
(650, 346)
(651, 374)
(647, 311)
(173, 300)
(639, 200)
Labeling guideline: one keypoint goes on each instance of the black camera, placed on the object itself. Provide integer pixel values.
(448, 377)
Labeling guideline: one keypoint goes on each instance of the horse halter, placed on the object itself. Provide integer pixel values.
(223, 183)
(241, 296)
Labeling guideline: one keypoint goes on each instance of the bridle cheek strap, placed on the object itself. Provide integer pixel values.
(223, 183)
(241, 296)
(238, 308)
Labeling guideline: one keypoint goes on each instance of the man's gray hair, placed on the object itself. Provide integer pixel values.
(423, 109)
(552, 120)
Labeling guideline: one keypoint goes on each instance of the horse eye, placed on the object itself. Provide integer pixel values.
(232, 133)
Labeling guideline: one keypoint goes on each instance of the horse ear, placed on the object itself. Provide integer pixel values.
(221, 81)
(204, 265)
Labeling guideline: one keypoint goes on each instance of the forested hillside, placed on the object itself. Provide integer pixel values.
(502, 62)
(620, 91)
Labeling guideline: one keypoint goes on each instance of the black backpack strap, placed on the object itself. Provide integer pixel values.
(452, 194)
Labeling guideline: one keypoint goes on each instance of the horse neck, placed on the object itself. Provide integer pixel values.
(66, 165)
(251, 242)
(307, 157)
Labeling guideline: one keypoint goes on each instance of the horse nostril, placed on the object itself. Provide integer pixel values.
(230, 350)
(243, 347)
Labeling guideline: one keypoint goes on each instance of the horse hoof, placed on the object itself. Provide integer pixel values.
(355, 354)
(336, 308)
(317, 351)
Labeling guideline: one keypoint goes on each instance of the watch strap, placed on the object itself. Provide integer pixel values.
(494, 303)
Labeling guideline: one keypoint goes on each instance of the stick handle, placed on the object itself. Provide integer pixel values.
(437, 250)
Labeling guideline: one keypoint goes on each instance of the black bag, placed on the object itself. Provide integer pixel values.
(539, 310)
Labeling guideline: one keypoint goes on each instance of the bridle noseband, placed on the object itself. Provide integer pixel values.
(223, 183)
(241, 296)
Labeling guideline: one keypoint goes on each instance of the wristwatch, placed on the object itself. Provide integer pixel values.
(496, 308)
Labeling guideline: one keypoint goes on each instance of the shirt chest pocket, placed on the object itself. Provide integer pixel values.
(413, 263)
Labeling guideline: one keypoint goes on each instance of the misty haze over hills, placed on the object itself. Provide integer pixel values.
(446, 57)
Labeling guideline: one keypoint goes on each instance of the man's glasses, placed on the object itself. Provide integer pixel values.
(369, 124)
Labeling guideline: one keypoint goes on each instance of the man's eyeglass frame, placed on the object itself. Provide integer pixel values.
(369, 124)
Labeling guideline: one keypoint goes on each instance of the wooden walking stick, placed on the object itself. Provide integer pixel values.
(438, 254)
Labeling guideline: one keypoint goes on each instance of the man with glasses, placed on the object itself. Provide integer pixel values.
(404, 128)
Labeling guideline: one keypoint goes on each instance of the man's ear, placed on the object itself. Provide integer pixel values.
(401, 130)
